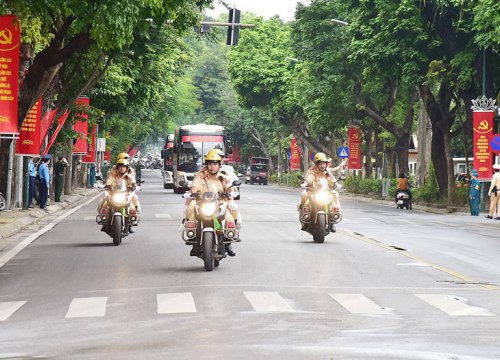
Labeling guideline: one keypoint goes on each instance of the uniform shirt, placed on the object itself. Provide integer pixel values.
(114, 176)
(59, 168)
(202, 182)
(495, 181)
(313, 176)
(32, 168)
(474, 188)
(43, 172)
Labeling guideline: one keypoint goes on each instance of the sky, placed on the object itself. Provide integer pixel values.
(265, 8)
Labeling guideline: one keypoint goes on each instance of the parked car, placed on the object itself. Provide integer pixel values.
(231, 174)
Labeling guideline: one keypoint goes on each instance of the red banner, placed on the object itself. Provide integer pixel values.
(60, 123)
(82, 128)
(107, 155)
(482, 125)
(354, 148)
(30, 138)
(202, 138)
(294, 155)
(9, 68)
(234, 157)
(92, 140)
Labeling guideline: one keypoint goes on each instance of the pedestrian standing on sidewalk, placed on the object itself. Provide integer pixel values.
(43, 173)
(59, 168)
(494, 193)
(32, 181)
(474, 193)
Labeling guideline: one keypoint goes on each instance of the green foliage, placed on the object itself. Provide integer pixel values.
(358, 185)
(290, 179)
(429, 192)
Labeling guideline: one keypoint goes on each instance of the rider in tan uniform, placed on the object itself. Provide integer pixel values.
(209, 179)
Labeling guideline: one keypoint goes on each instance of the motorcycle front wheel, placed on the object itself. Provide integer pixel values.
(2, 203)
(208, 256)
(320, 230)
(117, 230)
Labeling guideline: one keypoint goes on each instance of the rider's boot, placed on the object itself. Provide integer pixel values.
(229, 250)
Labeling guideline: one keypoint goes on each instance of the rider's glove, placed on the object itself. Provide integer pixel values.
(232, 206)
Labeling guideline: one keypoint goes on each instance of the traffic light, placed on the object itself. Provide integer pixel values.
(233, 32)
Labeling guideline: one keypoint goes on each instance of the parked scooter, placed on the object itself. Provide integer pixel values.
(403, 200)
(3, 203)
(209, 233)
(319, 215)
(116, 215)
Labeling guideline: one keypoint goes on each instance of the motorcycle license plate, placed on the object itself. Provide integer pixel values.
(400, 202)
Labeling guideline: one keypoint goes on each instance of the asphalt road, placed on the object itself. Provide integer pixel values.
(390, 284)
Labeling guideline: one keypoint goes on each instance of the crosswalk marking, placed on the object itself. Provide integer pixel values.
(87, 307)
(267, 302)
(359, 304)
(175, 303)
(453, 306)
(8, 308)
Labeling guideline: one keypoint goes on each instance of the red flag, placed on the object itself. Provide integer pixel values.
(30, 139)
(294, 155)
(60, 123)
(82, 127)
(9, 73)
(482, 125)
(354, 148)
(92, 140)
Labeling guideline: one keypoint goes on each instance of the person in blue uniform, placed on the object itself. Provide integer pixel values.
(474, 194)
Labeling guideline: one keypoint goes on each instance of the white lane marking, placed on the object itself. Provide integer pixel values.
(267, 302)
(163, 216)
(19, 247)
(172, 303)
(453, 305)
(359, 304)
(413, 264)
(87, 218)
(87, 307)
(8, 308)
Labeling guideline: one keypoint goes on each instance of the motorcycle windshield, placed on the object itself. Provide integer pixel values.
(120, 185)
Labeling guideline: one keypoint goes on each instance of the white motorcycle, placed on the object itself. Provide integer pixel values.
(209, 233)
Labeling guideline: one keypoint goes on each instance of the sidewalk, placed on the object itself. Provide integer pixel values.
(13, 221)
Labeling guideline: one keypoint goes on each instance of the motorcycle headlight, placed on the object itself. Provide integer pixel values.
(322, 197)
(208, 209)
(119, 199)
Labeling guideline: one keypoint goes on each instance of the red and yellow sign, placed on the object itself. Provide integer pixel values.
(202, 138)
(354, 148)
(294, 155)
(482, 126)
(9, 67)
(82, 128)
(30, 138)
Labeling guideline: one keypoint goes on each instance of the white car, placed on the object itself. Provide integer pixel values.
(228, 170)
(168, 181)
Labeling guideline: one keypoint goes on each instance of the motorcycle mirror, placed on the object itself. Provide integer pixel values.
(236, 183)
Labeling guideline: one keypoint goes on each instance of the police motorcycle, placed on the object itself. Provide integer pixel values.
(209, 233)
(117, 216)
(319, 215)
(403, 200)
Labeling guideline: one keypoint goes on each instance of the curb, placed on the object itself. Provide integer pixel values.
(35, 214)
